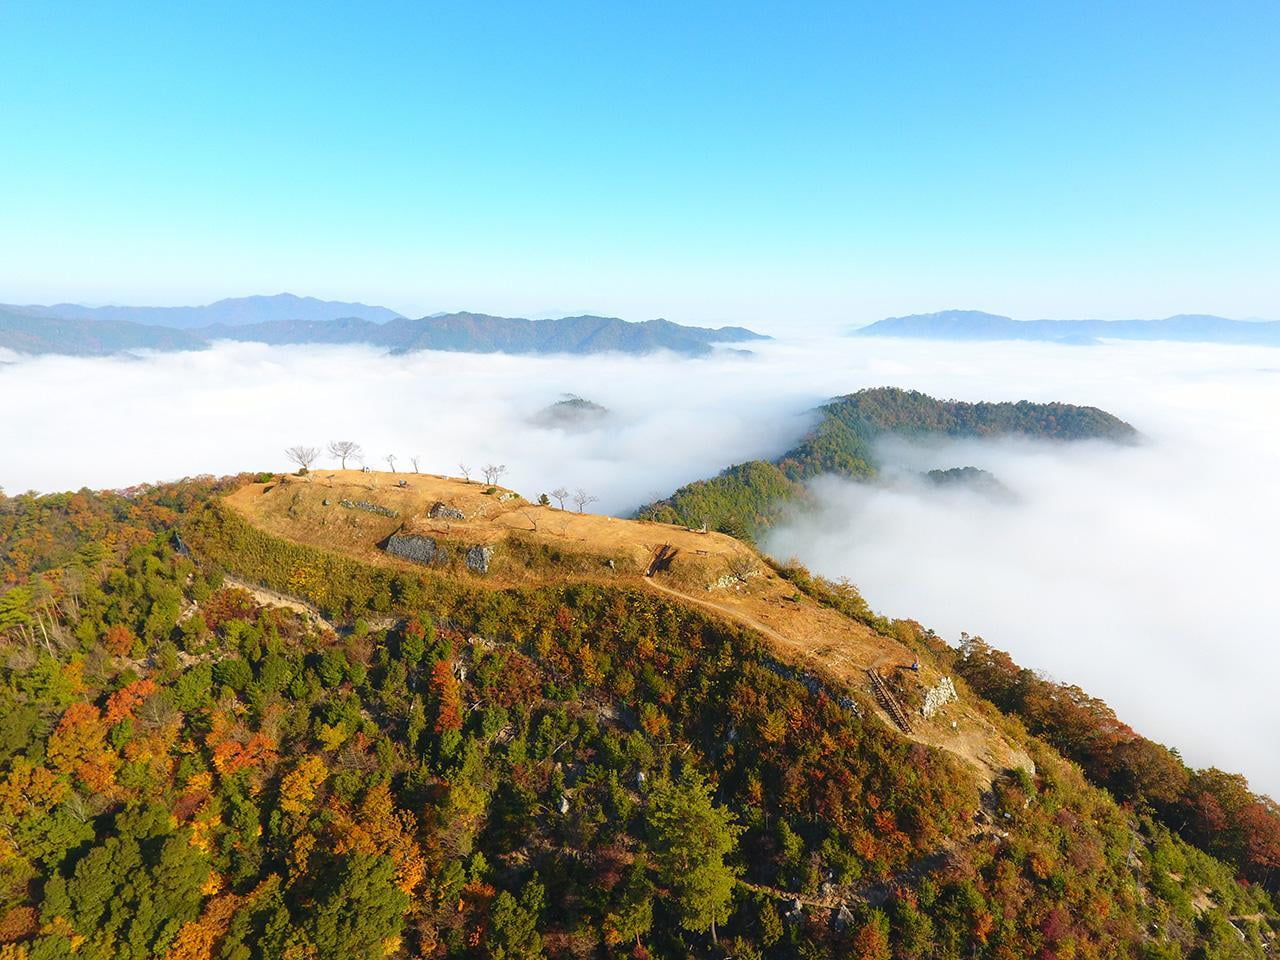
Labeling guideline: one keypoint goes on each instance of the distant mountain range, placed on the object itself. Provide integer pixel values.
(286, 319)
(976, 325)
(233, 312)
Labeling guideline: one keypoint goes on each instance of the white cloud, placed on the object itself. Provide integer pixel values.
(1144, 574)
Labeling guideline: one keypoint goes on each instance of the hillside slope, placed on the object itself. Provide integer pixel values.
(535, 545)
(747, 497)
(28, 333)
(551, 758)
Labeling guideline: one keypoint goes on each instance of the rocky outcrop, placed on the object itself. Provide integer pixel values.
(938, 696)
(431, 552)
(442, 511)
(419, 549)
(368, 507)
(478, 558)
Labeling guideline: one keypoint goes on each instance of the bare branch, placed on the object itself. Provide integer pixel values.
(304, 457)
(343, 450)
(582, 499)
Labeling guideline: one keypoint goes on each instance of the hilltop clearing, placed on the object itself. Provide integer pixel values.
(443, 522)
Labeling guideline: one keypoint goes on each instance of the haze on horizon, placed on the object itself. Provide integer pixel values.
(782, 168)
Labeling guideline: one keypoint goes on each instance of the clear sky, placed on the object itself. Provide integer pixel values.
(768, 163)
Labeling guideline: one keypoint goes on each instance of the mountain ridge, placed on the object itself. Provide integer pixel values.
(230, 311)
(28, 330)
(979, 325)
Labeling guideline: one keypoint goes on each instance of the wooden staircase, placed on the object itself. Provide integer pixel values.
(660, 559)
(884, 696)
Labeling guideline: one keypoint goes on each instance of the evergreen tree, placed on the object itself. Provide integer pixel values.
(359, 911)
(690, 837)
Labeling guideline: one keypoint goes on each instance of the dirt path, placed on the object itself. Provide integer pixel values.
(736, 615)
(271, 598)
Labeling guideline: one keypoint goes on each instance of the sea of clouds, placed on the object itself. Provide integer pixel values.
(1145, 574)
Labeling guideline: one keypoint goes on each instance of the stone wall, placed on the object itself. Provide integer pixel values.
(937, 697)
(431, 552)
(417, 548)
(442, 511)
(368, 507)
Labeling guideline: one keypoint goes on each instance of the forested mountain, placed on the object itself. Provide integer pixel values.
(232, 312)
(381, 760)
(481, 333)
(27, 333)
(36, 332)
(747, 497)
(976, 325)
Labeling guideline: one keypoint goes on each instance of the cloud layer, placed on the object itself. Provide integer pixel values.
(1144, 574)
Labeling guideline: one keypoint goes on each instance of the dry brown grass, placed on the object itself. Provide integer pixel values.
(536, 544)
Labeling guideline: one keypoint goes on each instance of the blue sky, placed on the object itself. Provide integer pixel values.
(779, 164)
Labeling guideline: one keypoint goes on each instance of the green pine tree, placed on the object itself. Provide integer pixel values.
(690, 836)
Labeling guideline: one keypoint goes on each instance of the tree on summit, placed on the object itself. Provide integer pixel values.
(304, 457)
(342, 450)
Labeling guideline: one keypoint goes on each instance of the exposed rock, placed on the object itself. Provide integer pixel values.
(732, 580)
(478, 558)
(419, 549)
(442, 511)
(368, 507)
(504, 497)
(937, 697)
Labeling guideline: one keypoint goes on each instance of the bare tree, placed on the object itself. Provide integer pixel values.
(391, 461)
(466, 472)
(493, 473)
(533, 521)
(561, 495)
(342, 450)
(742, 566)
(304, 457)
(414, 461)
(582, 499)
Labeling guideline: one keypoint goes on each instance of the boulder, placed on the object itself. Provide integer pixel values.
(478, 558)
